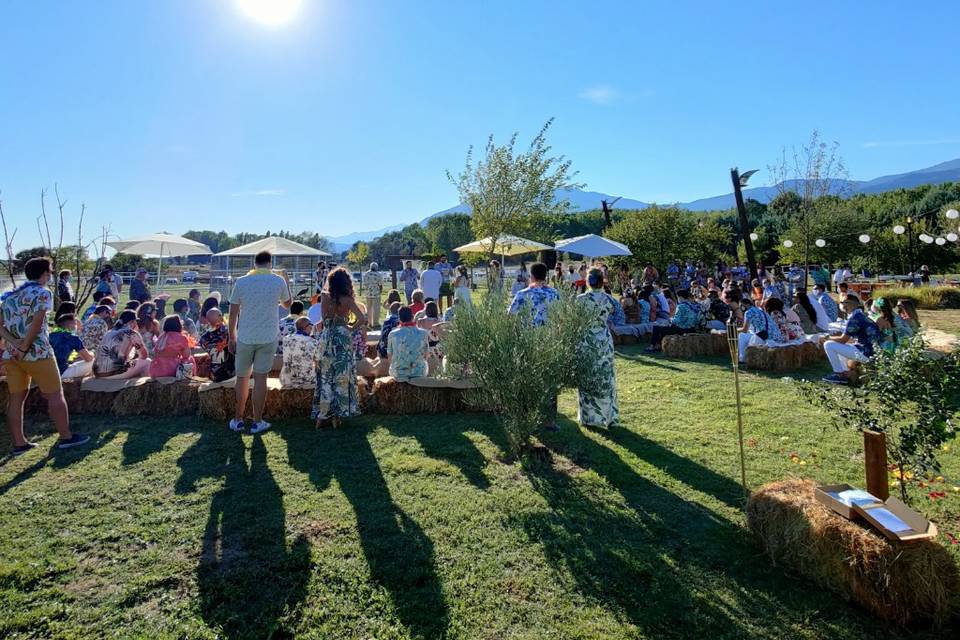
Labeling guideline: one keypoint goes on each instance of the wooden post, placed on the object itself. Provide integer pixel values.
(875, 463)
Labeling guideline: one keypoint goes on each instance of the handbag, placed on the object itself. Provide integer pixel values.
(763, 335)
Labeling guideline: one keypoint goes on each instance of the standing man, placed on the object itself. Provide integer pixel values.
(139, 287)
(30, 358)
(373, 286)
(254, 332)
(64, 289)
(535, 300)
(430, 281)
(446, 291)
(409, 277)
(114, 282)
(320, 277)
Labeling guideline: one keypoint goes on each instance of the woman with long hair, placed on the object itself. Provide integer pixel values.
(461, 286)
(907, 311)
(427, 323)
(335, 396)
(172, 350)
(148, 326)
(805, 312)
(893, 330)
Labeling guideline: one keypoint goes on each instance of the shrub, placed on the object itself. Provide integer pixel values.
(521, 367)
(909, 395)
(925, 297)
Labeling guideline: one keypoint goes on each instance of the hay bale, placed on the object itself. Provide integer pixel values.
(178, 398)
(693, 345)
(202, 369)
(217, 403)
(790, 358)
(365, 392)
(401, 398)
(899, 582)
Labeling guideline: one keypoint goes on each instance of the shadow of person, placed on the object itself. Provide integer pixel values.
(683, 469)
(449, 441)
(250, 581)
(649, 555)
(400, 556)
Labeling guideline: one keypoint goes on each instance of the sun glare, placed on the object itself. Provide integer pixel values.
(270, 12)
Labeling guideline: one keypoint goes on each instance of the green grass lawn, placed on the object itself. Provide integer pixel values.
(423, 527)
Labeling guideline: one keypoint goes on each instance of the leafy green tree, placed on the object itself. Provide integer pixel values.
(508, 191)
(445, 233)
(359, 254)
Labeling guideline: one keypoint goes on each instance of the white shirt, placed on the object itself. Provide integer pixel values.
(430, 283)
(258, 295)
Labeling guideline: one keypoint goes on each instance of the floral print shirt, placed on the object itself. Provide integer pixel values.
(535, 300)
(115, 351)
(407, 348)
(761, 321)
(299, 371)
(687, 316)
(216, 342)
(829, 306)
(19, 308)
(391, 323)
(92, 333)
(864, 330)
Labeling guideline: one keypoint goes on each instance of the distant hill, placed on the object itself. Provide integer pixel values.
(590, 200)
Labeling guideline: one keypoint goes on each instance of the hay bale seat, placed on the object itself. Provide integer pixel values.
(788, 358)
(903, 583)
(630, 339)
(217, 401)
(146, 398)
(420, 395)
(693, 345)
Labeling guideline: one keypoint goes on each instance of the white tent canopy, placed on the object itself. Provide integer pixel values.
(160, 244)
(277, 246)
(505, 245)
(593, 246)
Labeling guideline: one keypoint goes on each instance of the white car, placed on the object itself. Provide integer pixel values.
(171, 280)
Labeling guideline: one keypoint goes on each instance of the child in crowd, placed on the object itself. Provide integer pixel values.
(172, 350)
(193, 304)
(181, 307)
(215, 341)
(95, 327)
(65, 343)
(417, 305)
(288, 324)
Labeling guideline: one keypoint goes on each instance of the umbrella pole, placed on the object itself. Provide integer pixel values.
(160, 266)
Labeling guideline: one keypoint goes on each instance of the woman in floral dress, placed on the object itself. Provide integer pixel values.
(598, 408)
(335, 396)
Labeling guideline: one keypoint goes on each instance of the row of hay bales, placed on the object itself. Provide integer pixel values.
(184, 398)
(759, 358)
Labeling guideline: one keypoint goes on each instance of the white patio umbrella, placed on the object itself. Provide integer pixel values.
(593, 246)
(160, 244)
(505, 245)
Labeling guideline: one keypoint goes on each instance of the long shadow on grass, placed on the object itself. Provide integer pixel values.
(683, 469)
(666, 564)
(399, 554)
(449, 442)
(249, 579)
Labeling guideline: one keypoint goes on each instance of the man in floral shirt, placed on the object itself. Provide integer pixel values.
(537, 297)
(535, 300)
(95, 328)
(30, 358)
(299, 351)
(373, 287)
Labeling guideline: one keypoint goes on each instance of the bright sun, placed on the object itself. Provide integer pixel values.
(270, 12)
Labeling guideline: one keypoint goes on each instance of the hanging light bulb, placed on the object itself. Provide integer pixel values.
(788, 243)
(754, 237)
(940, 242)
(864, 238)
(953, 214)
(952, 237)
(899, 229)
(820, 243)
(925, 238)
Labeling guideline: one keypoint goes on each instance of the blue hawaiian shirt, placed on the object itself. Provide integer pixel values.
(829, 306)
(617, 315)
(537, 299)
(391, 323)
(644, 310)
(687, 316)
(760, 321)
(864, 330)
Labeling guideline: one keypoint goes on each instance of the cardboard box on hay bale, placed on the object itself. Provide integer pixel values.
(900, 582)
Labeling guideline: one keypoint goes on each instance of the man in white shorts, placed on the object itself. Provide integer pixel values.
(254, 331)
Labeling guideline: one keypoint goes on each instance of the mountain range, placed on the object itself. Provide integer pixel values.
(590, 200)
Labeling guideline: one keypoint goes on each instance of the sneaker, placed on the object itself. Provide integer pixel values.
(75, 441)
(836, 378)
(236, 425)
(19, 451)
(259, 427)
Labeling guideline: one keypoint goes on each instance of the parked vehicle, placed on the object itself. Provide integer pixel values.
(190, 276)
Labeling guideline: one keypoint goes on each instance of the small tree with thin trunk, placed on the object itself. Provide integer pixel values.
(508, 191)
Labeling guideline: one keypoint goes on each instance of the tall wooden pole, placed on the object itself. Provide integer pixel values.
(744, 223)
(875, 463)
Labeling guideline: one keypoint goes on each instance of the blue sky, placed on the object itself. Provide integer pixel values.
(178, 114)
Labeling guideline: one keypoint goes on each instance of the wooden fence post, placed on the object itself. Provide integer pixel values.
(875, 463)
